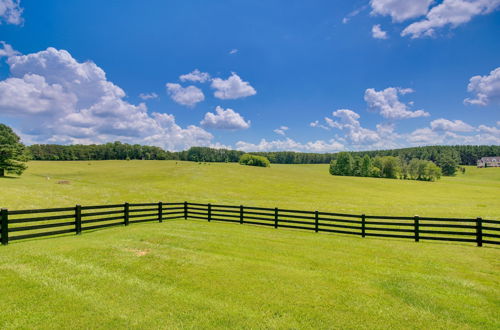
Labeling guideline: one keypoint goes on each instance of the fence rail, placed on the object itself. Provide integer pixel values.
(24, 224)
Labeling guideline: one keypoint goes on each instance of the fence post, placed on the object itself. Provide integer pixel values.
(125, 213)
(78, 219)
(5, 226)
(185, 210)
(160, 211)
(316, 221)
(479, 231)
(241, 214)
(275, 217)
(209, 212)
(363, 225)
(416, 225)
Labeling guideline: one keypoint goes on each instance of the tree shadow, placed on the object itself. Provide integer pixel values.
(6, 177)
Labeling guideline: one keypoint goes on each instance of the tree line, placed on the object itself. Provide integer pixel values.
(385, 167)
(460, 154)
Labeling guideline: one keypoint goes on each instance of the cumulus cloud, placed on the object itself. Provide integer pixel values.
(427, 136)
(224, 119)
(486, 88)
(60, 100)
(195, 76)
(7, 50)
(348, 121)
(400, 10)
(10, 12)
(378, 33)
(281, 130)
(233, 51)
(187, 96)
(291, 145)
(449, 13)
(387, 103)
(232, 88)
(450, 125)
(148, 96)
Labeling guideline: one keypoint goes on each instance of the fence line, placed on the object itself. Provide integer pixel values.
(81, 218)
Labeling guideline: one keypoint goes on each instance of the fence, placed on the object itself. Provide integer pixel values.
(80, 218)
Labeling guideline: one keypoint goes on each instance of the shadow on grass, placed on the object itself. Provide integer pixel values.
(7, 177)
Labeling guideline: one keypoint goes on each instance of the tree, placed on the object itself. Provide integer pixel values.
(343, 164)
(448, 164)
(12, 152)
(366, 166)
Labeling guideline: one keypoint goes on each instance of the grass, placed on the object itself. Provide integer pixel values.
(190, 274)
(193, 274)
(306, 187)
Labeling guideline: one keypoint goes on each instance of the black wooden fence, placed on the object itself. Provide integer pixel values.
(24, 224)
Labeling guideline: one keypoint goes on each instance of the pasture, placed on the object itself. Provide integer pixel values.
(194, 274)
(302, 187)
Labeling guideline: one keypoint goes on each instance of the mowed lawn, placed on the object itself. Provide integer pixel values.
(303, 187)
(194, 274)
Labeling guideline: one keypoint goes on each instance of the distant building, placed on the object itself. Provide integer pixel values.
(489, 162)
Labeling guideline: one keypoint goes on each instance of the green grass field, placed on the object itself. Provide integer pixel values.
(303, 187)
(194, 274)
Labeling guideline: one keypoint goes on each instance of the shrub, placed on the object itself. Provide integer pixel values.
(253, 160)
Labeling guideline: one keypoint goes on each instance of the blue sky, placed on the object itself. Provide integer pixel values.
(314, 76)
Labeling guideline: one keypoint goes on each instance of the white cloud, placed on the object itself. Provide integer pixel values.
(224, 119)
(348, 121)
(400, 10)
(486, 88)
(378, 33)
(318, 125)
(291, 145)
(233, 51)
(427, 136)
(60, 100)
(449, 125)
(7, 50)
(10, 12)
(232, 88)
(387, 103)
(281, 130)
(449, 12)
(196, 76)
(353, 13)
(187, 96)
(148, 96)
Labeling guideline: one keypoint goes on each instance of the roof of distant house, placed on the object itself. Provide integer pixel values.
(490, 159)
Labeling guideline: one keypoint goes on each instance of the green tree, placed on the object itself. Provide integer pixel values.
(12, 152)
(390, 167)
(448, 164)
(343, 164)
(366, 166)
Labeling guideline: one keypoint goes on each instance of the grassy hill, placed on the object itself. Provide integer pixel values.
(307, 187)
(190, 274)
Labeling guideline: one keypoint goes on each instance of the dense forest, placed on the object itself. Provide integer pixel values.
(462, 154)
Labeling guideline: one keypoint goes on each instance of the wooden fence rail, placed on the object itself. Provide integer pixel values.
(24, 224)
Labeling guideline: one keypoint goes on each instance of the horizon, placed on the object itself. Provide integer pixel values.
(311, 77)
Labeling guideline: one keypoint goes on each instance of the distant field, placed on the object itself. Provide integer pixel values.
(307, 187)
(194, 274)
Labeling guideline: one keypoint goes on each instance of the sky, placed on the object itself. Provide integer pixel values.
(309, 76)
